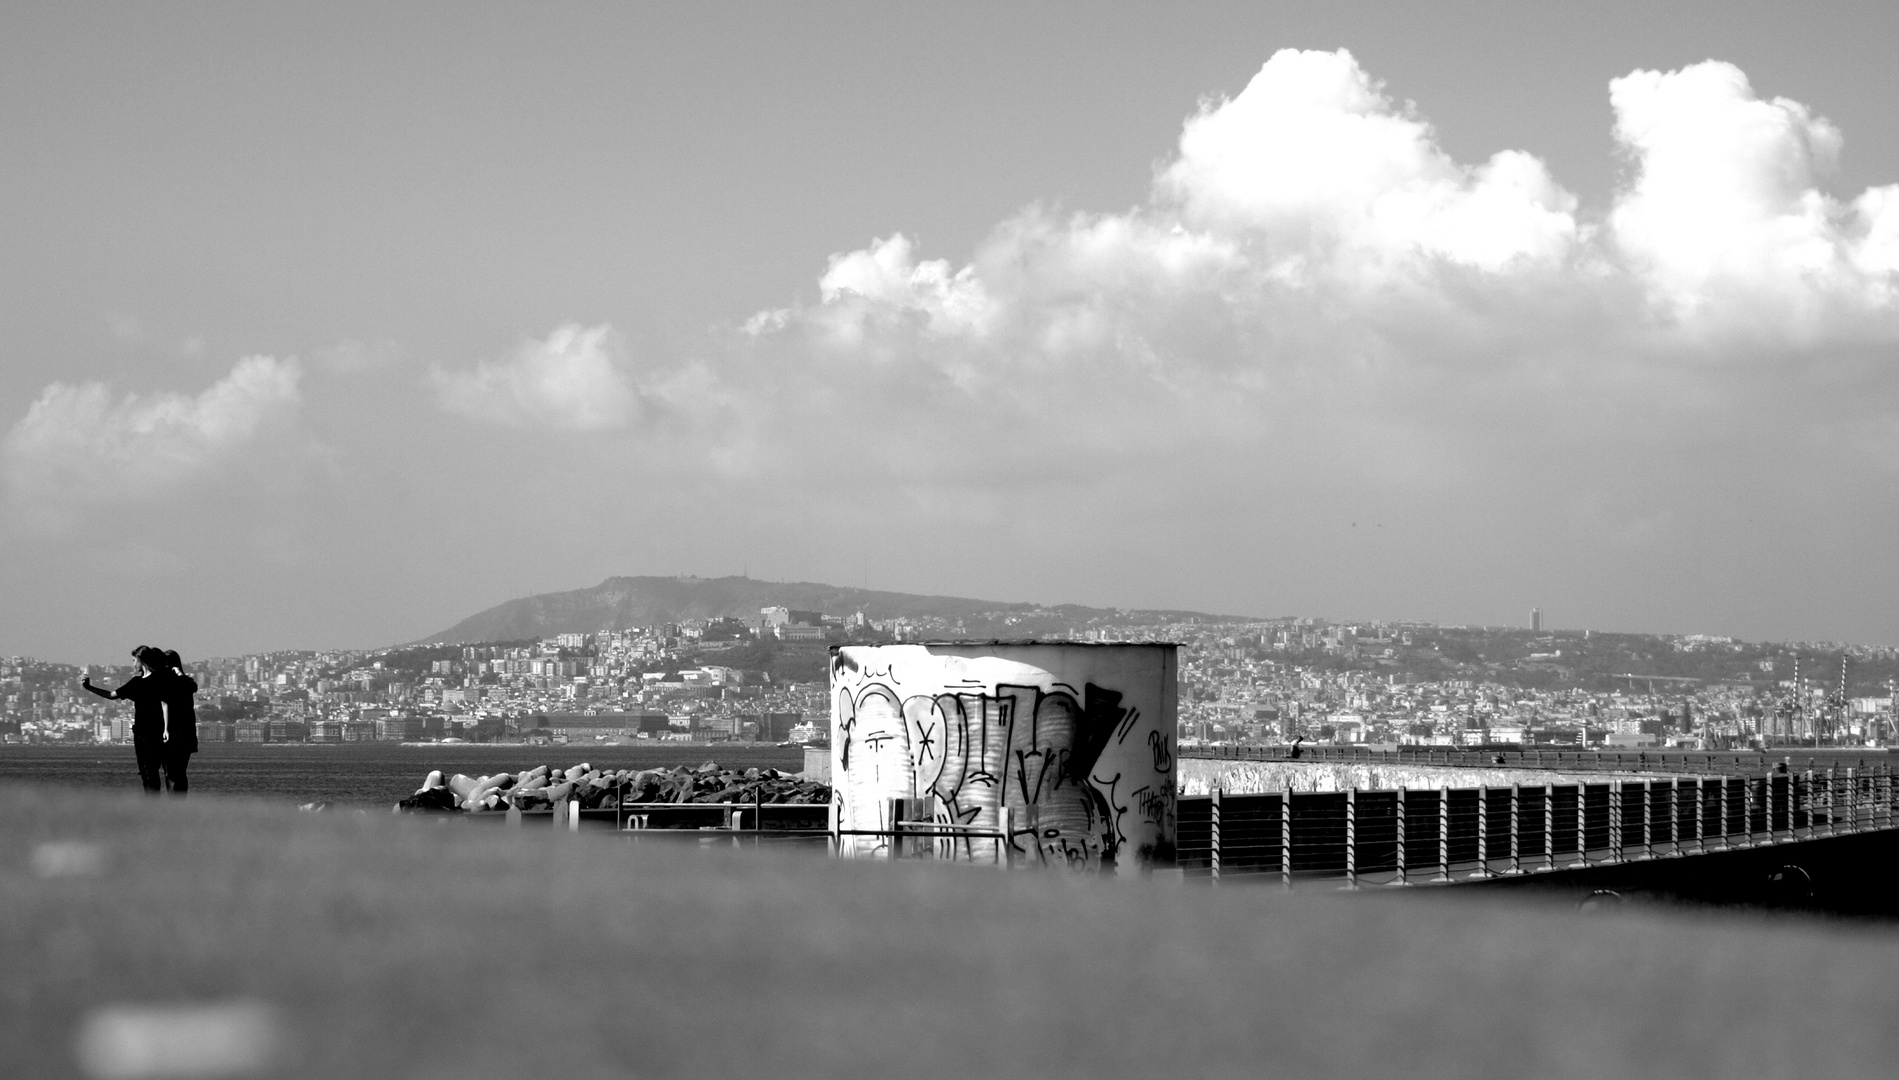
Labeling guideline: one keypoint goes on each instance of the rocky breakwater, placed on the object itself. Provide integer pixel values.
(542, 787)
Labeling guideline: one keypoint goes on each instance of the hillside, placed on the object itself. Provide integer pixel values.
(620, 602)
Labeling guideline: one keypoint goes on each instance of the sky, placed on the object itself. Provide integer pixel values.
(328, 326)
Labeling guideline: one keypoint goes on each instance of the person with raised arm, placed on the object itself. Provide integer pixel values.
(146, 692)
(181, 722)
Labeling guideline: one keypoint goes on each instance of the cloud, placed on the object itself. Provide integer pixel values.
(571, 381)
(1726, 222)
(350, 356)
(1317, 304)
(1310, 269)
(1309, 237)
(80, 445)
(1319, 170)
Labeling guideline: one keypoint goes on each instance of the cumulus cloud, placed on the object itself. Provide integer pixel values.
(1726, 220)
(1316, 302)
(80, 444)
(1310, 227)
(572, 380)
(1317, 166)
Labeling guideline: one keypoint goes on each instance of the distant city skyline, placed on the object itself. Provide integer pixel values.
(328, 327)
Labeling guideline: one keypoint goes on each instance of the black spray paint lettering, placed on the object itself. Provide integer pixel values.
(1016, 746)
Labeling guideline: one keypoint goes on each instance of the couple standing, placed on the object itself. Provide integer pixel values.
(164, 719)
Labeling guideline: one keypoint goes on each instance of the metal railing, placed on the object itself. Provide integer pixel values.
(1357, 838)
(1554, 759)
(1373, 837)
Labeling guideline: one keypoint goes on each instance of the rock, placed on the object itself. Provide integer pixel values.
(432, 801)
(542, 786)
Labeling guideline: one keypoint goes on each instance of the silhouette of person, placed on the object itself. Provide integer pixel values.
(146, 692)
(181, 722)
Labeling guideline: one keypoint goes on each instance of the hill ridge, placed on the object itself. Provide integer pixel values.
(645, 600)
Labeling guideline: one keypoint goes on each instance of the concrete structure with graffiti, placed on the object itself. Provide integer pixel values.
(1063, 751)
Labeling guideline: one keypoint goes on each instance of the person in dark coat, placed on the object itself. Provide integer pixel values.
(146, 692)
(181, 722)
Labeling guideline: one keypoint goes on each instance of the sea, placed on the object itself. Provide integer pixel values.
(371, 775)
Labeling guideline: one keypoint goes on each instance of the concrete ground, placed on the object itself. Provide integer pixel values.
(203, 937)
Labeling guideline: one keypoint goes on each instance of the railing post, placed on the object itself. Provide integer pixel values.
(1701, 840)
(1747, 810)
(1285, 839)
(1815, 797)
(1868, 800)
(1549, 826)
(1516, 827)
(1483, 833)
(1721, 808)
(1213, 847)
(1351, 838)
(1615, 821)
(1582, 824)
(1885, 794)
(1875, 793)
(1648, 819)
(1852, 800)
(1862, 794)
(1402, 877)
(1766, 803)
(894, 842)
(831, 826)
(1443, 834)
(1873, 796)
(1799, 791)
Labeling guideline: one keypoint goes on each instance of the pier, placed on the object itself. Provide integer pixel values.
(1739, 832)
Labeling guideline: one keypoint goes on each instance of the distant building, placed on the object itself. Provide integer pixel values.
(1536, 620)
(399, 729)
(776, 617)
(587, 726)
(778, 726)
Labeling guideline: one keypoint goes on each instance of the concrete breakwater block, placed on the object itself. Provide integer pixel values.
(542, 787)
(1200, 777)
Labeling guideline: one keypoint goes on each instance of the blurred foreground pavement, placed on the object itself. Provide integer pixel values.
(206, 937)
